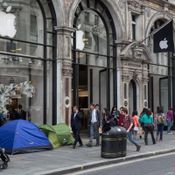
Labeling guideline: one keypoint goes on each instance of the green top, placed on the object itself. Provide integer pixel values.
(146, 119)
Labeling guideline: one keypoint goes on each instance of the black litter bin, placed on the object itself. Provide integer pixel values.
(114, 143)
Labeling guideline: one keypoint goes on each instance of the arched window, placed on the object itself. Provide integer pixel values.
(94, 59)
(27, 54)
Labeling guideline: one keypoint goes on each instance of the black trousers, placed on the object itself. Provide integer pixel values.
(76, 134)
(151, 131)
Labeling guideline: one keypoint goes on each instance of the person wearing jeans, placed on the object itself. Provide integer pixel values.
(169, 125)
(94, 133)
(159, 132)
(130, 138)
(93, 124)
(128, 125)
(160, 118)
(169, 119)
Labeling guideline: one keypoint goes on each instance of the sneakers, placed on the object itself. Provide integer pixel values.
(138, 148)
(89, 144)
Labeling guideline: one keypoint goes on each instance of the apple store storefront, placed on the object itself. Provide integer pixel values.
(29, 59)
(27, 56)
(48, 80)
(93, 57)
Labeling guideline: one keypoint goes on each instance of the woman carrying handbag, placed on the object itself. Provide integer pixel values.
(148, 124)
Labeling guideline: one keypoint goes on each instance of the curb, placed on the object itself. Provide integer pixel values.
(104, 163)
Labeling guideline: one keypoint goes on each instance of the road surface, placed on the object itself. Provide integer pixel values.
(159, 165)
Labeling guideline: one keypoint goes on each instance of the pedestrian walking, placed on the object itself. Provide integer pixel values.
(93, 124)
(106, 120)
(128, 125)
(148, 125)
(169, 119)
(115, 115)
(120, 117)
(136, 123)
(160, 118)
(141, 131)
(97, 107)
(76, 126)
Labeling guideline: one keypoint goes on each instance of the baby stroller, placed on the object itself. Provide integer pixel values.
(5, 159)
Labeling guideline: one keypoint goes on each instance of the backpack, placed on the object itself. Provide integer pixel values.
(160, 119)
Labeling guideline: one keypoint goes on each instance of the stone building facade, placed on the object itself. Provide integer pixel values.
(77, 52)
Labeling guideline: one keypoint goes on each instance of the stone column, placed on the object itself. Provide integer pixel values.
(64, 74)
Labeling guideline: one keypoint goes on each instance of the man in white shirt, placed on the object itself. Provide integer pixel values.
(94, 116)
(93, 125)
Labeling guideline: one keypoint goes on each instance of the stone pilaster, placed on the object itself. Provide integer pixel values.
(64, 82)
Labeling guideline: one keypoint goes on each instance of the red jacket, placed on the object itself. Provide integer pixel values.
(120, 120)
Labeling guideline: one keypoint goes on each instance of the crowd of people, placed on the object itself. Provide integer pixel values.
(12, 114)
(136, 125)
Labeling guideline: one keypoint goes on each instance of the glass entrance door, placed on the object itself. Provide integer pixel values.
(93, 56)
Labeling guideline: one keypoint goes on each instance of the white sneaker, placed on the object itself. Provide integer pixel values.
(170, 133)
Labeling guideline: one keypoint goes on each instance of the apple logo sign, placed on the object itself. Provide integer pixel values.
(7, 23)
(163, 44)
(79, 38)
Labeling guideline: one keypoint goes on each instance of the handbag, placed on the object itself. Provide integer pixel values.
(150, 126)
(136, 128)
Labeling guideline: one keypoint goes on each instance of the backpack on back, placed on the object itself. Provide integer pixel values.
(160, 119)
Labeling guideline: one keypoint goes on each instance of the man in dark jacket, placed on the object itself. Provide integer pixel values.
(76, 125)
(21, 112)
(93, 124)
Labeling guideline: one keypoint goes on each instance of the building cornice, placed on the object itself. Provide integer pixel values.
(162, 3)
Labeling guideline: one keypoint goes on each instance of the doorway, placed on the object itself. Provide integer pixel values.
(93, 54)
(132, 96)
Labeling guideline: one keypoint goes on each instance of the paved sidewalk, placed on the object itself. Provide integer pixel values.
(65, 159)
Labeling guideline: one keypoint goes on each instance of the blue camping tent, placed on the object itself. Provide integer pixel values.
(20, 136)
